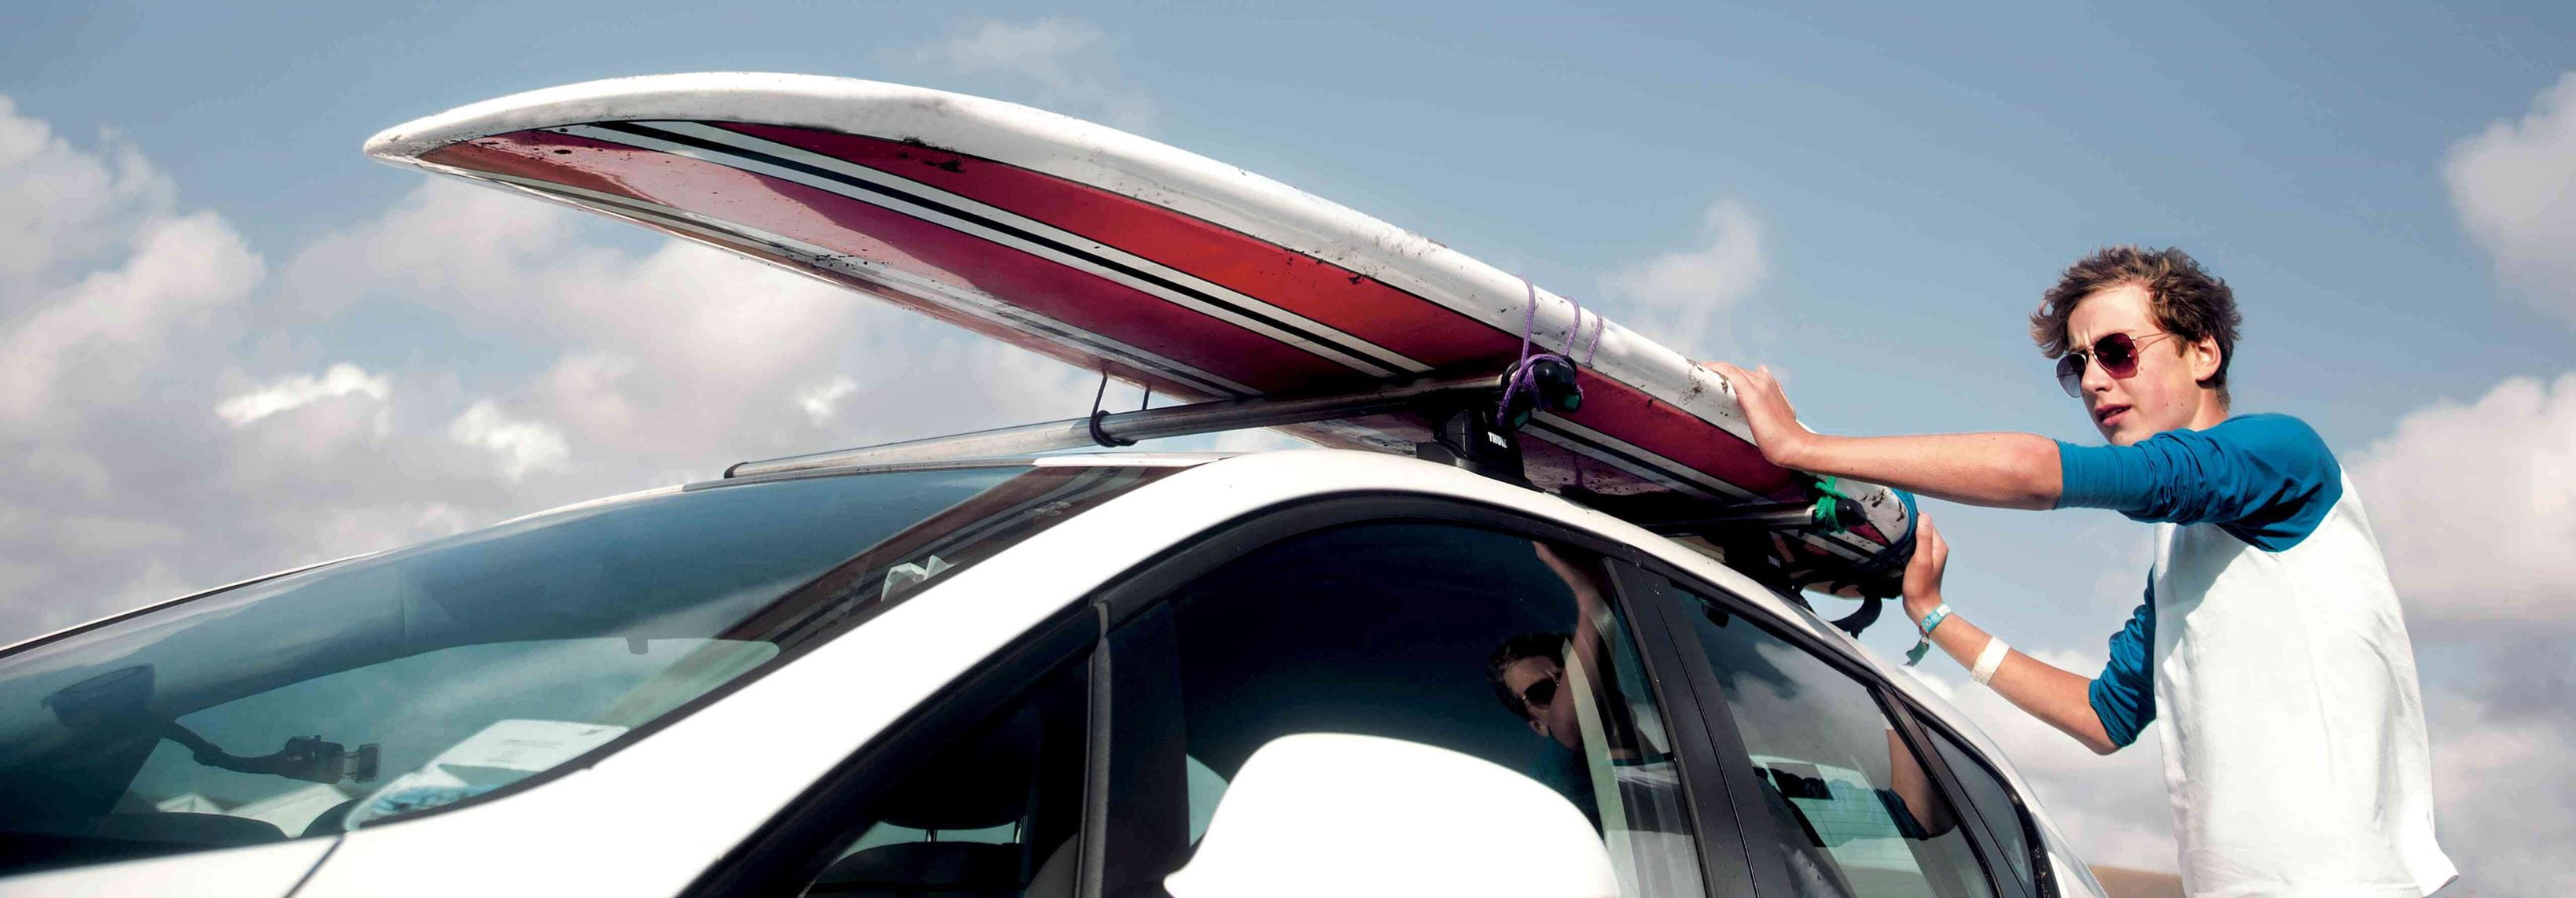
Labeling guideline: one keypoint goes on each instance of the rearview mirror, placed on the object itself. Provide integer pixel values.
(1349, 815)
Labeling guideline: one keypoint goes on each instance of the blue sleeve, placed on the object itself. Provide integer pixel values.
(2268, 479)
(2124, 696)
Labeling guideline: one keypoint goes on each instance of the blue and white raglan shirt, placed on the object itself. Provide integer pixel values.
(2272, 645)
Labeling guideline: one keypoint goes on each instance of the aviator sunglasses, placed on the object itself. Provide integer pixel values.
(2117, 353)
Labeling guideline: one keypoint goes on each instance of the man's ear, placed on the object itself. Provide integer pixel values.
(2204, 357)
(1538, 726)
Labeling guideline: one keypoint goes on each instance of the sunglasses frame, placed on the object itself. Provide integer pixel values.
(2070, 367)
(1555, 683)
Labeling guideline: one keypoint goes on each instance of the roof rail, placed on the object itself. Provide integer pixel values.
(1462, 409)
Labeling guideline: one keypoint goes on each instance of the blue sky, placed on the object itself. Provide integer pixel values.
(1869, 199)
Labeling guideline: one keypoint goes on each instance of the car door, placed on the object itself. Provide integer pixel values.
(1443, 624)
(1844, 790)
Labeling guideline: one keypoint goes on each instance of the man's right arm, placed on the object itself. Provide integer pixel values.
(2000, 470)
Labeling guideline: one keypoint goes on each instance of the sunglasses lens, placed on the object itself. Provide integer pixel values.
(2070, 374)
(1539, 694)
(2119, 356)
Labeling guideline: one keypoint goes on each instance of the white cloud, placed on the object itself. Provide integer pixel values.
(2504, 783)
(2475, 508)
(182, 269)
(59, 203)
(1060, 58)
(2514, 186)
(822, 401)
(523, 446)
(290, 393)
(1678, 296)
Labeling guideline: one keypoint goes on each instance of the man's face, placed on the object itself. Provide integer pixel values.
(1554, 719)
(2165, 393)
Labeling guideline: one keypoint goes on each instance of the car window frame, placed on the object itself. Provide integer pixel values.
(1925, 727)
(788, 851)
(1679, 588)
(1135, 597)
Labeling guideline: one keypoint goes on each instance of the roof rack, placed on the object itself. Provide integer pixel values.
(1471, 428)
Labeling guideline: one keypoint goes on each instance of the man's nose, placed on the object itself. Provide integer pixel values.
(2097, 379)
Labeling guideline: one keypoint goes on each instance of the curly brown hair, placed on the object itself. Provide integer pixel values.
(2186, 299)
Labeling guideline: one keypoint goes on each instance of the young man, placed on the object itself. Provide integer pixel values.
(2270, 641)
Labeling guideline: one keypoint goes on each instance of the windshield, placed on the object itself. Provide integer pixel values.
(334, 698)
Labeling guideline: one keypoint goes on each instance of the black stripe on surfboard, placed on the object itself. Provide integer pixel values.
(736, 144)
(723, 149)
(1350, 349)
(1038, 325)
(720, 149)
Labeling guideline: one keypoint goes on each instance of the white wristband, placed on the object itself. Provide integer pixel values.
(1989, 659)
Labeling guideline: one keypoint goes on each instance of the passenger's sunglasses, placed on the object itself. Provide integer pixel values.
(2117, 353)
(1538, 695)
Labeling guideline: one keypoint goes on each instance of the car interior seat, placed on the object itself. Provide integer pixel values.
(981, 784)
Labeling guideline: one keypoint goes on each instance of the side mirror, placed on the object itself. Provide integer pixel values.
(1349, 815)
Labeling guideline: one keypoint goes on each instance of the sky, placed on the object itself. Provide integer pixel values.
(230, 344)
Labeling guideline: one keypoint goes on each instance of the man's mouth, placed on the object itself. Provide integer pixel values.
(2105, 414)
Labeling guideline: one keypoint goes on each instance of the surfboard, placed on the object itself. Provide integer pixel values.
(1116, 253)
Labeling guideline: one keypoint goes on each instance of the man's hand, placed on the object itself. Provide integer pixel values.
(1776, 430)
(1923, 571)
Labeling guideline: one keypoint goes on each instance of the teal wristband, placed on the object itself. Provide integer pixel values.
(1923, 643)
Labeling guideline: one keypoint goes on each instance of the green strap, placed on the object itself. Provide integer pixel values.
(1827, 500)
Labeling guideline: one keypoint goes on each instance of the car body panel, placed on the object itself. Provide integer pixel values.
(649, 819)
(256, 871)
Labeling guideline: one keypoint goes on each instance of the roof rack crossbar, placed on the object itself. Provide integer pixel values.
(1117, 428)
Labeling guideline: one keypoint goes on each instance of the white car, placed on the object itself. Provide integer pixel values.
(1297, 672)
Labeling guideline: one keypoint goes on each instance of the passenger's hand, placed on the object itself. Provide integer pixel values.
(1585, 594)
(1923, 571)
(1776, 430)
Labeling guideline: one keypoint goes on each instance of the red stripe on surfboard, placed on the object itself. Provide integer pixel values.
(498, 158)
(1629, 415)
(508, 154)
(1045, 288)
(1321, 291)
(864, 230)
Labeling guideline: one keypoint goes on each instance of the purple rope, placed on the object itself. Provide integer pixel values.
(1598, 324)
(1522, 373)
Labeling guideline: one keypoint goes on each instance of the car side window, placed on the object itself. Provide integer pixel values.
(1996, 809)
(1476, 641)
(1854, 813)
(994, 811)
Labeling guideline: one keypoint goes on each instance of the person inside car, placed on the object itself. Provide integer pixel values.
(2270, 639)
(1530, 676)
